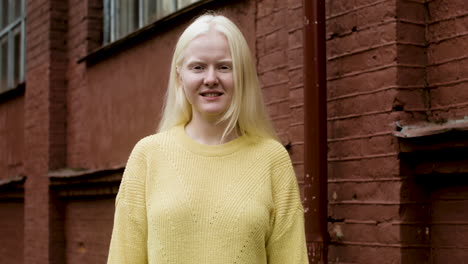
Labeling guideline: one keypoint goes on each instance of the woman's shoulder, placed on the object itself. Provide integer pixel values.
(269, 144)
(271, 149)
(153, 141)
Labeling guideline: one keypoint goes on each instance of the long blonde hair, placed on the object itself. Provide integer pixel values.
(247, 111)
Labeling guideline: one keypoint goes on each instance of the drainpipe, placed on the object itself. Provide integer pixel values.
(315, 131)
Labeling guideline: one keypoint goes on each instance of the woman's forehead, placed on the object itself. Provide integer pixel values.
(210, 45)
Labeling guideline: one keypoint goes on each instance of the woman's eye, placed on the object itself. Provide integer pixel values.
(197, 67)
(225, 67)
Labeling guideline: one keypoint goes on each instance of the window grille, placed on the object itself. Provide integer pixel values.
(122, 17)
(12, 43)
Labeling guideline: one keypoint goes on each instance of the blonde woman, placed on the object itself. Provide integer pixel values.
(213, 185)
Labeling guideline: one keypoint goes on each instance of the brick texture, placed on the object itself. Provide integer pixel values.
(11, 139)
(44, 132)
(76, 77)
(11, 228)
(83, 219)
(364, 184)
(387, 61)
(447, 70)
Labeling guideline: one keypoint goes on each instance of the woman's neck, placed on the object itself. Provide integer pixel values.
(208, 132)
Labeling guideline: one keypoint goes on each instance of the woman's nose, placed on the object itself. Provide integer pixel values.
(211, 78)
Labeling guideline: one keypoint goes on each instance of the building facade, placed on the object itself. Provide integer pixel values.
(83, 81)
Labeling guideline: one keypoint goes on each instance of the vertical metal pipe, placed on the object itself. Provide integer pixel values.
(315, 130)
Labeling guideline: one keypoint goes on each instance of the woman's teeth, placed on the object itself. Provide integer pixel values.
(211, 94)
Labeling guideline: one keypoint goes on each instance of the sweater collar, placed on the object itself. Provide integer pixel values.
(208, 150)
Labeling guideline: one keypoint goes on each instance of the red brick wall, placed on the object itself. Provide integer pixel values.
(11, 137)
(44, 124)
(11, 230)
(88, 228)
(448, 232)
(447, 70)
(364, 183)
(77, 143)
(36, 143)
(390, 63)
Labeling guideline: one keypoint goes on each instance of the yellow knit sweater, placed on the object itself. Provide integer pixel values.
(182, 202)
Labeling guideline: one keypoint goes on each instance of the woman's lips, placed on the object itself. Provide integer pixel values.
(211, 94)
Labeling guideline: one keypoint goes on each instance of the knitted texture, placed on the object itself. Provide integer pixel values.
(183, 202)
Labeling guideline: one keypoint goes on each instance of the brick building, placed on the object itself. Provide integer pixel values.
(82, 81)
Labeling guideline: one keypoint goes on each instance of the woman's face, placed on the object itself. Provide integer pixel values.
(206, 75)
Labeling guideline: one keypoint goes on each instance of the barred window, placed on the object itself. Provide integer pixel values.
(122, 17)
(12, 43)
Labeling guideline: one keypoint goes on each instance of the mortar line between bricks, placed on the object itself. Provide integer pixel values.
(297, 143)
(296, 124)
(369, 26)
(278, 101)
(363, 50)
(280, 117)
(383, 67)
(279, 67)
(295, 48)
(379, 134)
(356, 9)
(408, 223)
(458, 35)
(429, 23)
(371, 244)
(298, 6)
(446, 107)
(296, 87)
(391, 87)
(275, 84)
(450, 222)
(374, 156)
(274, 11)
(415, 1)
(297, 67)
(414, 66)
(412, 22)
(357, 73)
(298, 105)
(367, 180)
(294, 29)
(457, 59)
(450, 83)
(359, 115)
(416, 109)
(364, 222)
(408, 43)
(362, 202)
(268, 32)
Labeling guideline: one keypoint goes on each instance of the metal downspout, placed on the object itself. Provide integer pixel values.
(315, 130)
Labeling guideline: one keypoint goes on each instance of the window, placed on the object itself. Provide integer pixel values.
(12, 43)
(122, 17)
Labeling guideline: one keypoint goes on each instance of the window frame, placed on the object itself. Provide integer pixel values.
(111, 20)
(8, 32)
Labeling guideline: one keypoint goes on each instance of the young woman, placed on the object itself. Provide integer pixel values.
(214, 185)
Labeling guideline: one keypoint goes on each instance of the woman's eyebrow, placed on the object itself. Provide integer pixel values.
(225, 61)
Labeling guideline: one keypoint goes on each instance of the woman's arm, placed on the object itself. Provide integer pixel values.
(287, 242)
(129, 234)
